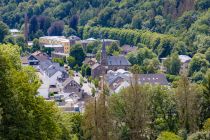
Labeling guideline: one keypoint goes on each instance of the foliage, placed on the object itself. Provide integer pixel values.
(4, 31)
(26, 115)
(56, 29)
(206, 125)
(129, 109)
(71, 61)
(163, 111)
(188, 104)
(168, 136)
(85, 70)
(173, 64)
(113, 48)
(198, 63)
(146, 59)
(36, 45)
(78, 53)
(205, 135)
(161, 44)
(58, 60)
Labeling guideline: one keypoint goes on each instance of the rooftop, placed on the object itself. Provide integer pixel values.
(184, 58)
(57, 38)
(53, 46)
(118, 60)
(153, 79)
(14, 30)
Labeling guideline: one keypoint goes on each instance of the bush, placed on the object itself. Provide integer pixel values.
(200, 136)
(168, 136)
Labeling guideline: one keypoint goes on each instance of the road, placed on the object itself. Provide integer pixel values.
(87, 87)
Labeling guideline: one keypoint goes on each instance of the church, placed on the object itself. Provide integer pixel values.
(109, 63)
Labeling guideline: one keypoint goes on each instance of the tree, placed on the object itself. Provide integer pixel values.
(204, 135)
(173, 64)
(198, 63)
(136, 22)
(136, 69)
(44, 23)
(151, 65)
(188, 104)
(162, 111)
(205, 113)
(129, 111)
(114, 47)
(206, 125)
(85, 70)
(56, 29)
(58, 60)
(97, 121)
(74, 22)
(168, 136)
(33, 26)
(71, 61)
(78, 53)
(20, 41)
(25, 115)
(4, 31)
(207, 54)
(36, 45)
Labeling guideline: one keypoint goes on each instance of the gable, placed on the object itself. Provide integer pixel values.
(32, 58)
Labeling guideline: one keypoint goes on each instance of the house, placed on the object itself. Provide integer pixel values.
(37, 57)
(90, 61)
(153, 79)
(128, 48)
(108, 42)
(98, 70)
(56, 41)
(74, 40)
(15, 32)
(59, 55)
(51, 71)
(185, 60)
(117, 80)
(55, 47)
(84, 43)
(70, 86)
(90, 55)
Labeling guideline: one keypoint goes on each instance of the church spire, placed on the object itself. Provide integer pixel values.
(103, 54)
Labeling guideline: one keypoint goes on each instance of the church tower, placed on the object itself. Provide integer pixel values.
(104, 55)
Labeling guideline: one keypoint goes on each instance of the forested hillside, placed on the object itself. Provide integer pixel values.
(185, 19)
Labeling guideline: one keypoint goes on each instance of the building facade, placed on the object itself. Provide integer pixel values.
(56, 40)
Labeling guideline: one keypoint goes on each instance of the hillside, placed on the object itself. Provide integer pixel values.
(155, 15)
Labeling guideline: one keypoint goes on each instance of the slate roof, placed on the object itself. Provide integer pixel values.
(153, 79)
(50, 68)
(39, 56)
(45, 64)
(118, 61)
(95, 66)
(68, 80)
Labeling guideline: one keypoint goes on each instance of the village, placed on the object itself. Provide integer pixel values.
(71, 90)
